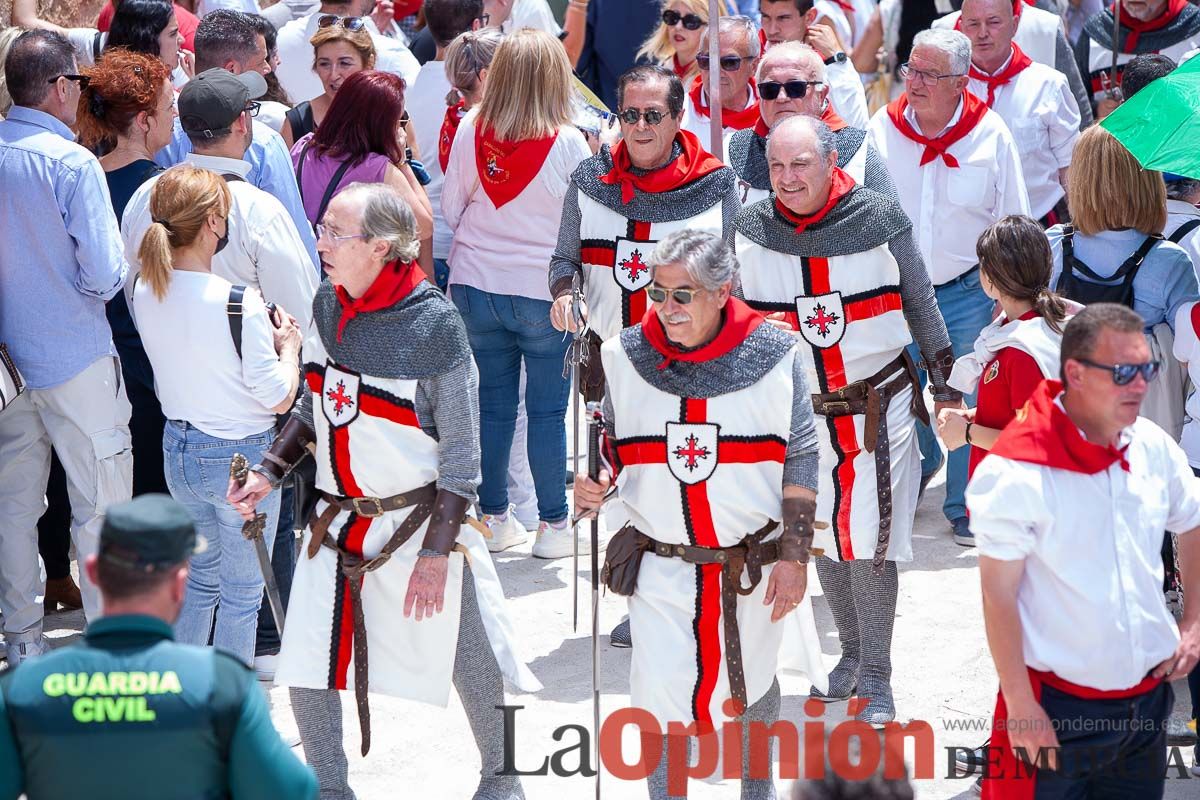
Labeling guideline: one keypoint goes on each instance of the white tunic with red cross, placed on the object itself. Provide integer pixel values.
(850, 324)
(369, 444)
(1100, 63)
(613, 251)
(703, 472)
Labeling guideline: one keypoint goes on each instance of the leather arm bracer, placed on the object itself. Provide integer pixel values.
(449, 511)
(289, 449)
(795, 544)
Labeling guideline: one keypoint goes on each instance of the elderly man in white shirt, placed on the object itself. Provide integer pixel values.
(1032, 99)
(739, 53)
(957, 171)
(1183, 217)
(1082, 641)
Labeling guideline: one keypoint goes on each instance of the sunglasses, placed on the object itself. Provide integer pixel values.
(349, 23)
(682, 296)
(630, 116)
(728, 63)
(82, 80)
(690, 21)
(1122, 374)
(769, 90)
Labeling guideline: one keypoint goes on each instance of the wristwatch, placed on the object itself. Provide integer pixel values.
(836, 58)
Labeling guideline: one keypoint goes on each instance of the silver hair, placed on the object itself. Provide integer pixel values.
(826, 142)
(704, 255)
(795, 52)
(737, 22)
(953, 43)
(1184, 189)
(387, 216)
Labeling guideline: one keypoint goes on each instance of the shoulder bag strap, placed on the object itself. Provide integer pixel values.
(233, 310)
(329, 190)
(1183, 230)
(300, 169)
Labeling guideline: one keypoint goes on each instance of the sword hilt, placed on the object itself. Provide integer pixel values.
(239, 471)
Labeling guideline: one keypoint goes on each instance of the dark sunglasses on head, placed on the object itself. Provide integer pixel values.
(682, 296)
(630, 116)
(728, 63)
(82, 80)
(769, 90)
(690, 21)
(1122, 374)
(349, 23)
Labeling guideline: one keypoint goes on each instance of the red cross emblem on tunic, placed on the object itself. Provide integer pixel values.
(692, 452)
(634, 266)
(341, 400)
(821, 320)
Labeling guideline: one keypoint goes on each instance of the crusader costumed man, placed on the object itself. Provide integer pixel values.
(656, 180)
(834, 262)
(392, 409)
(712, 442)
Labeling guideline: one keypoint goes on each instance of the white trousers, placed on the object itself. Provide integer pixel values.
(86, 421)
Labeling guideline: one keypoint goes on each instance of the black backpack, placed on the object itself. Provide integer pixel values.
(1079, 283)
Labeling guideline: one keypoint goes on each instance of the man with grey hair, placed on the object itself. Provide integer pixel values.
(833, 262)
(393, 410)
(708, 414)
(957, 171)
(739, 50)
(1183, 217)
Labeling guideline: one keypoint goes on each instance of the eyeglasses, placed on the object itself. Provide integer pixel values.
(1122, 374)
(349, 23)
(325, 233)
(728, 63)
(252, 108)
(404, 118)
(630, 116)
(928, 78)
(82, 80)
(484, 19)
(690, 21)
(682, 296)
(769, 90)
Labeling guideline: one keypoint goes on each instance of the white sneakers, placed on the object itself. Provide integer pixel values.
(555, 542)
(507, 531)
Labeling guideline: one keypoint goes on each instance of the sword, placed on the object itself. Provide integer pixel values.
(595, 430)
(239, 470)
(576, 358)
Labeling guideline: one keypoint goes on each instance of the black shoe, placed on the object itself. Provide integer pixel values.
(620, 636)
(570, 478)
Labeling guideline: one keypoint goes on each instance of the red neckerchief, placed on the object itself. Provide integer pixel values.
(454, 115)
(680, 69)
(506, 168)
(840, 186)
(693, 163)
(1137, 27)
(762, 41)
(739, 120)
(973, 110)
(740, 321)
(831, 118)
(1018, 62)
(1042, 433)
(396, 280)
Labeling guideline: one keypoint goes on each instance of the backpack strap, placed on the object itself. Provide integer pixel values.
(97, 40)
(233, 310)
(1183, 230)
(329, 190)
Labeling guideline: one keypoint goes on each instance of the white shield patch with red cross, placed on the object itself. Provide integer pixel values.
(821, 318)
(630, 270)
(339, 397)
(692, 450)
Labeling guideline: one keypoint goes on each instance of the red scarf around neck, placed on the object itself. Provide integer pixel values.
(840, 186)
(1043, 434)
(396, 280)
(739, 322)
(454, 115)
(1018, 62)
(506, 168)
(693, 163)
(973, 110)
(828, 116)
(1136, 27)
(738, 120)
(680, 69)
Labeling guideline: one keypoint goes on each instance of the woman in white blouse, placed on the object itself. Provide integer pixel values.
(507, 176)
(220, 396)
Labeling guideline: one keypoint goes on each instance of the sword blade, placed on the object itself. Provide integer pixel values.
(595, 423)
(575, 398)
(274, 598)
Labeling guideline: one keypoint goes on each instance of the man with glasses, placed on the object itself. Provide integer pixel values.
(62, 259)
(738, 45)
(710, 420)
(1069, 510)
(957, 170)
(833, 263)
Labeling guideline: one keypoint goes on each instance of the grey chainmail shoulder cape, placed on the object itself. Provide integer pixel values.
(748, 154)
(1099, 28)
(862, 220)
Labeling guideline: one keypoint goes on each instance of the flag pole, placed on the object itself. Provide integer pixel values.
(716, 128)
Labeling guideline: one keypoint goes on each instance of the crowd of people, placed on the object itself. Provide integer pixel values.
(374, 249)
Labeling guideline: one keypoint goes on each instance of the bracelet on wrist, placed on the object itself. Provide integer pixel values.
(967, 434)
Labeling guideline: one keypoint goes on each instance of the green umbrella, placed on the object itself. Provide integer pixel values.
(1160, 125)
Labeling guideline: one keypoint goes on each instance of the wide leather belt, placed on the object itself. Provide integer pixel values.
(354, 567)
(871, 398)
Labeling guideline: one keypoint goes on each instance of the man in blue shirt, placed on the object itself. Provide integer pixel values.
(61, 259)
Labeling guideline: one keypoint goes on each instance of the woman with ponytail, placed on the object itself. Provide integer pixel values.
(221, 379)
(1018, 349)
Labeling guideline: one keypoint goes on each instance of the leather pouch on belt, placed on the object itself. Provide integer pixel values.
(624, 560)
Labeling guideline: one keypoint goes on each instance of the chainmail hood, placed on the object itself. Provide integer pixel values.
(861, 221)
(748, 154)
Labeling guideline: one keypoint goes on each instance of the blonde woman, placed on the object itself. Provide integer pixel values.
(506, 180)
(338, 53)
(220, 396)
(676, 40)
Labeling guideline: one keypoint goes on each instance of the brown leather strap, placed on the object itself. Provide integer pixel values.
(378, 506)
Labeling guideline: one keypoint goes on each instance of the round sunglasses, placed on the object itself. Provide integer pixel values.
(690, 21)
(630, 116)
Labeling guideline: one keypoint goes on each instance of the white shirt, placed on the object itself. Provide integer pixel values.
(1037, 32)
(1093, 576)
(950, 208)
(272, 114)
(698, 123)
(531, 14)
(831, 11)
(264, 251)
(295, 70)
(197, 373)
(426, 101)
(1043, 117)
(1179, 212)
(506, 250)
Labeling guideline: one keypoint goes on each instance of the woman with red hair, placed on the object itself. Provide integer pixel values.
(362, 139)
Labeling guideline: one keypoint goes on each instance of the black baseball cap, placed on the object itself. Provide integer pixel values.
(148, 533)
(210, 102)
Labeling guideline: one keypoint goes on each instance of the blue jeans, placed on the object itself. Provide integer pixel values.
(504, 330)
(967, 311)
(226, 576)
